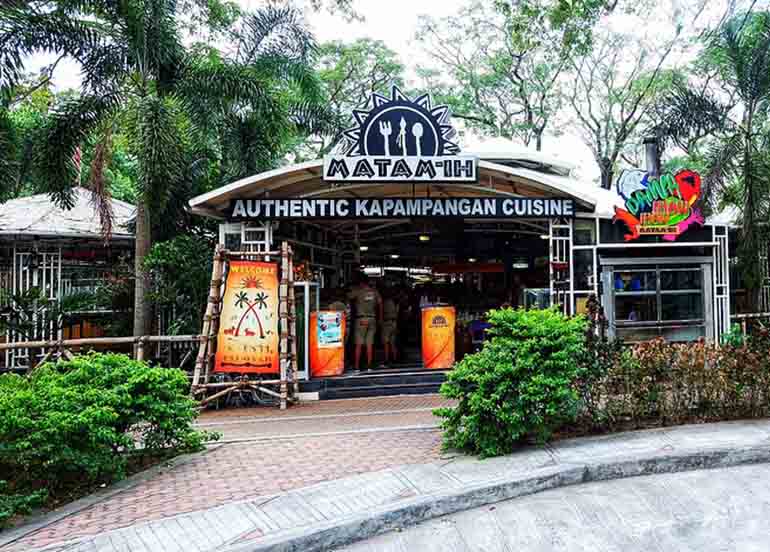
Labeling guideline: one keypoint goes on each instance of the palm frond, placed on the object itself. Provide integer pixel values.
(723, 159)
(69, 124)
(97, 182)
(9, 153)
(274, 31)
(157, 139)
(683, 115)
(24, 32)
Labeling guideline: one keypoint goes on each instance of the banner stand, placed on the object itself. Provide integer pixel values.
(284, 385)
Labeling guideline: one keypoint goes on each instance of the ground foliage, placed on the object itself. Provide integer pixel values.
(543, 375)
(79, 423)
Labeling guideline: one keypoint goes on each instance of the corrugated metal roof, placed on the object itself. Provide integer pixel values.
(38, 215)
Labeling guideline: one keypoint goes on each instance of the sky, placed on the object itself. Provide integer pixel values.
(395, 22)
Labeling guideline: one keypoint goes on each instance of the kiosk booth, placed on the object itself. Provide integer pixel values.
(469, 232)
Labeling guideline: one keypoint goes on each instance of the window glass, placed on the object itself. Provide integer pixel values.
(637, 334)
(584, 232)
(635, 280)
(584, 269)
(682, 306)
(681, 280)
(636, 308)
(684, 333)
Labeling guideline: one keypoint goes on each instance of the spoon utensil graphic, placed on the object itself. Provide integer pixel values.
(417, 132)
(386, 130)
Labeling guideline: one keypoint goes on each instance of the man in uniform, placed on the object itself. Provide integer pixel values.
(367, 306)
(390, 326)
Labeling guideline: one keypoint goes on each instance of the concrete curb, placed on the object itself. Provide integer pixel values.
(41, 521)
(345, 531)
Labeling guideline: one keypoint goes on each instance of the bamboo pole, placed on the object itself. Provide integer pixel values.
(293, 327)
(216, 317)
(284, 320)
(216, 277)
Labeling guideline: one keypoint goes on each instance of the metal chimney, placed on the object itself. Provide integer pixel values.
(652, 156)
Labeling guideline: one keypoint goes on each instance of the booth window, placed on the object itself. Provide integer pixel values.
(658, 301)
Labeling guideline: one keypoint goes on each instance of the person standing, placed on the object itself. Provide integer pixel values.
(367, 304)
(390, 326)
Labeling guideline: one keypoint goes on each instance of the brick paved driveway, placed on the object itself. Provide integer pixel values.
(330, 440)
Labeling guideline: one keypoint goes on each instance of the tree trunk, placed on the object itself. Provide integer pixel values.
(142, 311)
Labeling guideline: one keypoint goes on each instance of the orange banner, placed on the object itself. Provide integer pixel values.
(248, 327)
(327, 343)
(438, 337)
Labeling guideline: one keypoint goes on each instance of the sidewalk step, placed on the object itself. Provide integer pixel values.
(379, 391)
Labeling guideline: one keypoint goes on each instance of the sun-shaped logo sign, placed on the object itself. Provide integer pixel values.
(399, 126)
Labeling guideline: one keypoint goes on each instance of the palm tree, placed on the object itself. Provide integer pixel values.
(194, 117)
(733, 124)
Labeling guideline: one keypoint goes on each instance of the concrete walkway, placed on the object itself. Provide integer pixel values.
(338, 513)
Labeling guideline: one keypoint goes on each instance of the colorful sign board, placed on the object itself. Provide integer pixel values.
(248, 326)
(327, 343)
(661, 205)
(398, 139)
(438, 337)
(394, 208)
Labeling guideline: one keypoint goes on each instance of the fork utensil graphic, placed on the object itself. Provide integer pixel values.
(386, 130)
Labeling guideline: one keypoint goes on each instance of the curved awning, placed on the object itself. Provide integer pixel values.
(304, 180)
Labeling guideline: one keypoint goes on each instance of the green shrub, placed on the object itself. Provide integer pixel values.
(75, 423)
(13, 504)
(519, 386)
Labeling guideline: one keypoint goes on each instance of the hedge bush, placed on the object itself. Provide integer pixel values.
(658, 383)
(541, 372)
(76, 423)
(519, 386)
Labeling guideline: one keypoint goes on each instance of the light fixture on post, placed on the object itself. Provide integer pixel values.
(471, 259)
(424, 238)
(394, 256)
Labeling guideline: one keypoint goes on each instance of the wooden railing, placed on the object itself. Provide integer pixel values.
(61, 348)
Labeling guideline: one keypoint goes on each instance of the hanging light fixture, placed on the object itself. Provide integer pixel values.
(364, 248)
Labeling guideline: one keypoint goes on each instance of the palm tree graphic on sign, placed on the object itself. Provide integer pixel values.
(259, 302)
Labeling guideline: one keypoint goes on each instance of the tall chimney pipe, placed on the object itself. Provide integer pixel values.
(652, 155)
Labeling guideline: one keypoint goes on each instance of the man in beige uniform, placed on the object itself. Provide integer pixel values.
(367, 306)
(389, 326)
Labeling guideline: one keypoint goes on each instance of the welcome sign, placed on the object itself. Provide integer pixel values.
(658, 205)
(400, 140)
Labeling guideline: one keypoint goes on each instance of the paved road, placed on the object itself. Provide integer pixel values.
(712, 510)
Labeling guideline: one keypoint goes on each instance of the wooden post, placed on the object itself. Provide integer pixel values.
(140, 349)
(211, 311)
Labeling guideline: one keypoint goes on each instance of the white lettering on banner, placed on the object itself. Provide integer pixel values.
(464, 207)
(448, 168)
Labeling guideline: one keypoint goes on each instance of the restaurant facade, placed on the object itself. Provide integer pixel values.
(401, 202)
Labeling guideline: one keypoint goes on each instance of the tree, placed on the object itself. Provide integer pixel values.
(138, 76)
(350, 73)
(574, 19)
(725, 119)
(495, 81)
(614, 88)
